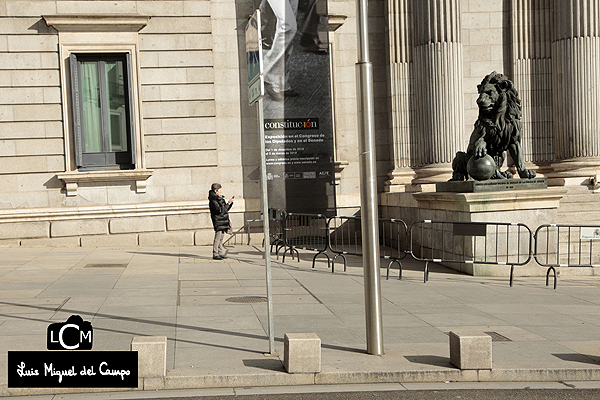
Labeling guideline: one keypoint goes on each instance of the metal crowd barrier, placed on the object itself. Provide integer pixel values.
(438, 241)
(345, 238)
(305, 231)
(249, 223)
(471, 243)
(567, 246)
(276, 229)
(393, 240)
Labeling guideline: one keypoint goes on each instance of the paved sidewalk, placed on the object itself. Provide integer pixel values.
(541, 334)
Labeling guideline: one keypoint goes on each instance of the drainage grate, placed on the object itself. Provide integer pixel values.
(247, 299)
(105, 266)
(496, 337)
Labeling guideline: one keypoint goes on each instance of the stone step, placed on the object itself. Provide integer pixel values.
(578, 188)
(581, 207)
(579, 218)
(580, 198)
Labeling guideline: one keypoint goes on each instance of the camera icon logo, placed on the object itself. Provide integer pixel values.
(74, 334)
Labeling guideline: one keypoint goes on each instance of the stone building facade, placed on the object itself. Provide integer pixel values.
(183, 78)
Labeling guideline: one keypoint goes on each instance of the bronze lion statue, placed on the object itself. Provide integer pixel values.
(497, 129)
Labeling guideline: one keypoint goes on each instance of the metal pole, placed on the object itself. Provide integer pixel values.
(368, 185)
(265, 213)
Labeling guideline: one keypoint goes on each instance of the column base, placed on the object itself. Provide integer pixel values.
(574, 171)
(400, 178)
(433, 173)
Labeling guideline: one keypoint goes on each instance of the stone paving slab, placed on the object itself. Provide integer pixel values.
(180, 292)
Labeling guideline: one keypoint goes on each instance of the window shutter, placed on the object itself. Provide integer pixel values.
(131, 118)
(76, 108)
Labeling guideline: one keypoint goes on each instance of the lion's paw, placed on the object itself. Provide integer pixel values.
(502, 175)
(527, 174)
(458, 176)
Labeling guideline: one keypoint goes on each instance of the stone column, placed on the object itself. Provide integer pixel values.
(439, 115)
(531, 22)
(401, 93)
(576, 81)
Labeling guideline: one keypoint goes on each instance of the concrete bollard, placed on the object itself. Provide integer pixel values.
(152, 355)
(302, 353)
(471, 350)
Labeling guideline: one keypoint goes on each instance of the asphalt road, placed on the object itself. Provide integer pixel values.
(479, 394)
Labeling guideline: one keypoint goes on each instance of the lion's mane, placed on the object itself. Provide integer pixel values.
(499, 127)
(504, 121)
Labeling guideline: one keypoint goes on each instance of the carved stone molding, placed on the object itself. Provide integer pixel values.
(334, 22)
(103, 211)
(492, 201)
(338, 167)
(97, 23)
(73, 179)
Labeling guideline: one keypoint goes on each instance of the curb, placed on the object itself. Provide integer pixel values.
(184, 380)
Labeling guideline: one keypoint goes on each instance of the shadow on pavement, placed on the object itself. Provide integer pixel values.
(430, 360)
(576, 357)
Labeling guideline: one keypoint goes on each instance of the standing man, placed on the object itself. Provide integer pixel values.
(219, 213)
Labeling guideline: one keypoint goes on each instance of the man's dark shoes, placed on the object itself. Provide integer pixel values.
(217, 258)
(223, 257)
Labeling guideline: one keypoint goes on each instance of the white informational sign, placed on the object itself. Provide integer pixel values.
(590, 233)
(254, 63)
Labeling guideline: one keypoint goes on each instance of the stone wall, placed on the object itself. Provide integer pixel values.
(486, 48)
(157, 225)
(192, 128)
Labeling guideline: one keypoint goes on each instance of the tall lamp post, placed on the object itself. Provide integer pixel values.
(256, 91)
(368, 185)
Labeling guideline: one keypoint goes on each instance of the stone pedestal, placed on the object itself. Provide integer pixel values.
(152, 355)
(530, 207)
(302, 353)
(471, 350)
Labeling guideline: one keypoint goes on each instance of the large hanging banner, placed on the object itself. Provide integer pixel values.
(297, 106)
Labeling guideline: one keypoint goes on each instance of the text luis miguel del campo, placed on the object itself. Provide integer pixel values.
(70, 363)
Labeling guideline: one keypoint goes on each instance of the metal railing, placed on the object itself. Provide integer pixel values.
(438, 241)
(345, 238)
(248, 227)
(470, 243)
(566, 246)
(305, 231)
(393, 242)
(276, 229)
